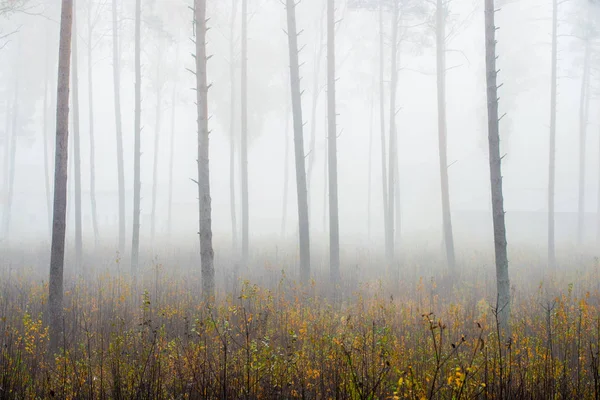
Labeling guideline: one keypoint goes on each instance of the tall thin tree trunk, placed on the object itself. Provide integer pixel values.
(6, 167)
(119, 126)
(392, 146)
(316, 90)
(443, 132)
(46, 138)
(386, 219)
(369, 185)
(244, 137)
(156, 143)
(204, 201)
(502, 278)
(334, 236)
(232, 135)
(91, 121)
(303, 224)
(172, 151)
(584, 102)
(552, 155)
(137, 185)
(13, 149)
(286, 168)
(57, 253)
(325, 180)
(76, 150)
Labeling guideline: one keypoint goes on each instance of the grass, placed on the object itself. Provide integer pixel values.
(424, 337)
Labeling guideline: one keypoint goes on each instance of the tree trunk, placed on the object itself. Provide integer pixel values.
(334, 238)
(232, 134)
(584, 102)
(46, 138)
(303, 225)
(502, 278)
(172, 152)
(13, 151)
(370, 185)
(315, 99)
(244, 138)
(386, 219)
(204, 202)
(91, 121)
(443, 132)
(76, 150)
(156, 143)
(119, 128)
(286, 169)
(391, 256)
(57, 254)
(137, 185)
(6, 168)
(552, 155)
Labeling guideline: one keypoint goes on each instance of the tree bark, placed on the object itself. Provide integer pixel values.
(334, 238)
(441, 11)
(502, 278)
(552, 150)
(119, 127)
(156, 142)
(76, 150)
(244, 136)
(204, 202)
(584, 102)
(57, 254)
(232, 135)
(303, 224)
(386, 219)
(391, 256)
(91, 121)
(137, 185)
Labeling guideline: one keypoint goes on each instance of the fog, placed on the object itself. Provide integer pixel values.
(28, 56)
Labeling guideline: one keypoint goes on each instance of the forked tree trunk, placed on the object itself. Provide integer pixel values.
(303, 225)
(204, 201)
(76, 151)
(57, 254)
(443, 132)
(386, 219)
(137, 185)
(584, 103)
(91, 121)
(502, 278)
(552, 155)
(392, 168)
(244, 136)
(334, 238)
(119, 127)
(232, 134)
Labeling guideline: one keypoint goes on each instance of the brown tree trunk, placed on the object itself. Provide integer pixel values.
(244, 136)
(204, 202)
(303, 225)
(76, 150)
(502, 278)
(156, 142)
(91, 121)
(57, 254)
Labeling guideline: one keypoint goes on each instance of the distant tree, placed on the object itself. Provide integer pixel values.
(502, 278)
(232, 131)
(334, 237)
(552, 147)
(76, 148)
(303, 237)
(137, 184)
(204, 199)
(244, 135)
(57, 253)
(118, 125)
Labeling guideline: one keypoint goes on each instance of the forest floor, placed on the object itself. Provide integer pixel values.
(411, 334)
